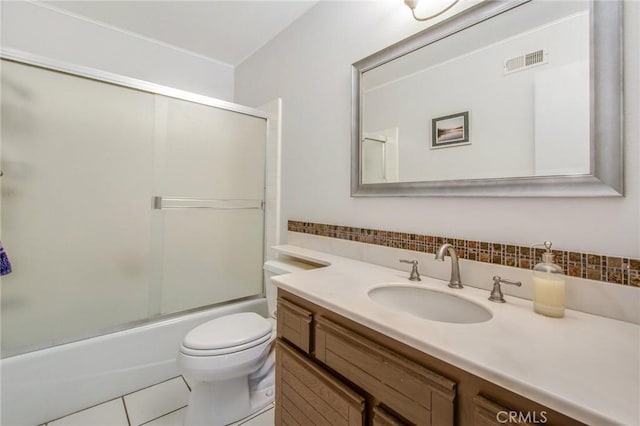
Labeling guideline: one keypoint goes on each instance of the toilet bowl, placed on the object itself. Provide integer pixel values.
(229, 362)
(226, 361)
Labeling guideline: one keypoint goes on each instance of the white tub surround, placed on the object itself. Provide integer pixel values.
(584, 366)
(54, 382)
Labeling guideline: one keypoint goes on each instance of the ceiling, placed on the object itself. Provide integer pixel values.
(227, 31)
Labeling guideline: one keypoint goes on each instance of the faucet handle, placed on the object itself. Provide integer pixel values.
(415, 275)
(496, 293)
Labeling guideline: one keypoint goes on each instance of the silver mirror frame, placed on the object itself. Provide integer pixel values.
(606, 177)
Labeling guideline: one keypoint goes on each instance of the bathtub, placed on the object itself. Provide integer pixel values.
(50, 383)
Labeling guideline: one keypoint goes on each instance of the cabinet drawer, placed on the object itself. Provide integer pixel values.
(490, 413)
(294, 325)
(307, 395)
(383, 418)
(417, 394)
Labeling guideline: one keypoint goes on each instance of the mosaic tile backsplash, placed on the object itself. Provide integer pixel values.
(617, 270)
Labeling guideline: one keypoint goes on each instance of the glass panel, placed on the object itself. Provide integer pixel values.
(212, 153)
(76, 190)
(373, 161)
(210, 254)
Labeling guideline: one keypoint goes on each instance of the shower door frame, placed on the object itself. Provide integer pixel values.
(120, 80)
(26, 58)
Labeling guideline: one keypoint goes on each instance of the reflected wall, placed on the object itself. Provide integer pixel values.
(521, 78)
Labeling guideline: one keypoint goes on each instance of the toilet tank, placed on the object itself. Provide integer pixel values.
(283, 266)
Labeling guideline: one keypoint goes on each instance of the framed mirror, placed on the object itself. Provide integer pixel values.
(519, 98)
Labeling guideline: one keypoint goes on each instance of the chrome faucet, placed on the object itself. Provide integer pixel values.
(415, 275)
(454, 282)
(496, 293)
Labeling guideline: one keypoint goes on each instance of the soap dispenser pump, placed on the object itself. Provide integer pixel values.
(548, 286)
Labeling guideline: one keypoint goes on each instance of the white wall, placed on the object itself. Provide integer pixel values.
(309, 66)
(55, 34)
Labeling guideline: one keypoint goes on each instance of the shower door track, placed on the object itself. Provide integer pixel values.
(119, 80)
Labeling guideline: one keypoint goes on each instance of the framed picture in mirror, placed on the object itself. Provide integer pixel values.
(450, 130)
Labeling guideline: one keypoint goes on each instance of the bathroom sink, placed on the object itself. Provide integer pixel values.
(429, 304)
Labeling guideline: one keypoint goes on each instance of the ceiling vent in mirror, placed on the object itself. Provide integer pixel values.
(525, 61)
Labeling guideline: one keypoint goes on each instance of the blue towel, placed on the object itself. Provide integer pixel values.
(5, 265)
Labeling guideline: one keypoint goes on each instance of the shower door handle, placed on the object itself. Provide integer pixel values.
(160, 203)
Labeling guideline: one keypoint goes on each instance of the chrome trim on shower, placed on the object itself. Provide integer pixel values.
(120, 80)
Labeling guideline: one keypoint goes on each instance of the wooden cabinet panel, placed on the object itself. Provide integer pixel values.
(307, 395)
(417, 394)
(490, 413)
(294, 325)
(381, 417)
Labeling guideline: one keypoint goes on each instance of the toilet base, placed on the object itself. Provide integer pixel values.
(257, 413)
(218, 403)
(223, 403)
(262, 398)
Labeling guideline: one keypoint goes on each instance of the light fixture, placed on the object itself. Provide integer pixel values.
(413, 3)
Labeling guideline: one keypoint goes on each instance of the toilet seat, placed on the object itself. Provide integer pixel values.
(228, 334)
(225, 351)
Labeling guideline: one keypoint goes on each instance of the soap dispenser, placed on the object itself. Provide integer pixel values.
(548, 286)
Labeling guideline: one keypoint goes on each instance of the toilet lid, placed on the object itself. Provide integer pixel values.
(228, 331)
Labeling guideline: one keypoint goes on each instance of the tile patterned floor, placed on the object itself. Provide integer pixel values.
(163, 404)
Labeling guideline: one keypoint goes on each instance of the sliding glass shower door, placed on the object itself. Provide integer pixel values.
(120, 205)
(211, 212)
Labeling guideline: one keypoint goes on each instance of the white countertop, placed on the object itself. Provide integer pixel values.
(584, 366)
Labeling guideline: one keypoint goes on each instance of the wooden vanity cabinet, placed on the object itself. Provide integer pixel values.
(308, 395)
(294, 325)
(325, 360)
(381, 417)
(408, 389)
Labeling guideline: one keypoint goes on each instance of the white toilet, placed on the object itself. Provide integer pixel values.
(229, 362)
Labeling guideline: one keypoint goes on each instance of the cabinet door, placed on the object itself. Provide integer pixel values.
(490, 413)
(382, 417)
(417, 394)
(294, 325)
(307, 395)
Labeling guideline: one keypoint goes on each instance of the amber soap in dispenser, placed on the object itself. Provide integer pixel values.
(548, 286)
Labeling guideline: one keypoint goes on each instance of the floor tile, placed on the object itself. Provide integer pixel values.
(172, 419)
(110, 413)
(266, 418)
(156, 401)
